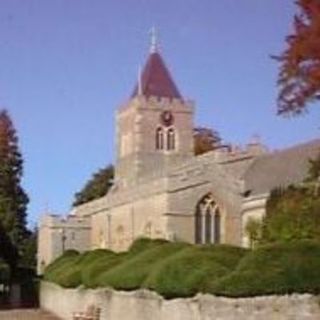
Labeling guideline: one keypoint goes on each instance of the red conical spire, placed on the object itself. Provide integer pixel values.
(155, 79)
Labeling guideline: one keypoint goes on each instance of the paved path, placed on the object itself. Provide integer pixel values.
(26, 314)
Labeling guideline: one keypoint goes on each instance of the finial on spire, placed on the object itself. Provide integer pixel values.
(154, 40)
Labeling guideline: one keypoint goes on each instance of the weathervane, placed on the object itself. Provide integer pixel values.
(154, 40)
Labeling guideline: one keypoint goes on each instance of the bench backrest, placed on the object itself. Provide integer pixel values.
(93, 311)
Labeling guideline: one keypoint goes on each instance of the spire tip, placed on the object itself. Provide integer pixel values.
(154, 40)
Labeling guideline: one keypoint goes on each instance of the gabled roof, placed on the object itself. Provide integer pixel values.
(280, 168)
(155, 79)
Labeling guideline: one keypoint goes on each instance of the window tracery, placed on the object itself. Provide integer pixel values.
(207, 221)
(165, 139)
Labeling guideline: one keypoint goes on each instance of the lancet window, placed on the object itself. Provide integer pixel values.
(170, 139)
(159, 139)
(207, 221)
(165, 139)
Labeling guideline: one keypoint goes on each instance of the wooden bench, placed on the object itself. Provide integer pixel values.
(92, 313)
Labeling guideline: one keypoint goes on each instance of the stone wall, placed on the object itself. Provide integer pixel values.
(116, 229)
(146, 305)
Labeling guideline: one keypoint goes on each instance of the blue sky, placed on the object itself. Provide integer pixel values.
(66, 65)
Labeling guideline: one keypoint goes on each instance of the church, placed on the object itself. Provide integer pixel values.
(161, 189)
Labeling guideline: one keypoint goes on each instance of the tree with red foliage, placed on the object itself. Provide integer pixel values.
(299, 75)
(205, 140)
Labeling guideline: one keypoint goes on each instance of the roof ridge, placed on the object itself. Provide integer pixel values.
(292, 147)
(280, 152)
(281, 167)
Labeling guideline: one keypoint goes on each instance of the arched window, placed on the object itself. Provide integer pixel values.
(170, 139)
(217, 226)
(208, 225)
(198, 225)
(207, 221)
(159, 139)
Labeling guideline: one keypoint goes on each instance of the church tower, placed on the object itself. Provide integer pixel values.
(155, 127)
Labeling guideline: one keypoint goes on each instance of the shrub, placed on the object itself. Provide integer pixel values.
(181, 270)
(92, 272)
(280, 268)
(142, 244)
(132, 272)
(253, 229)
(60, 260)
(59, 265)
(89, 257)
(292, 214)
(73, 269)
(71, 275)
(188, 272)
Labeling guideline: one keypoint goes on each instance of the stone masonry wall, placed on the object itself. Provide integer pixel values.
(146, 305)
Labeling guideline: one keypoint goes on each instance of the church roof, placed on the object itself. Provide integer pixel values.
(156, 80)
(280, 168)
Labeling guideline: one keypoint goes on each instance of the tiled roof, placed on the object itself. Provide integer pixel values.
(280, 168)
(156, 80)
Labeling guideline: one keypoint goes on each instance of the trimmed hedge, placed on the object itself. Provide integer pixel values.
(59, 265)
(96, 274)
(281, 268)
(142, 244)
(67, 270)
(92, 273)
(131, 273)
(182, 270)
(72, 269)
(187, 272)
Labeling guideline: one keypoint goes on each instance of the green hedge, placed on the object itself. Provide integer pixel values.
(59, 269)
(142, 244)
(131, 273)
(188, 272)
(96, 274)
(182, 270)
(281, 268)
(92, 273)
(71, 269)
(67, 270)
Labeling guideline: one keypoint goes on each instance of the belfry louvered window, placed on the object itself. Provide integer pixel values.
(165, 139)
(159, 139)
(170, 139)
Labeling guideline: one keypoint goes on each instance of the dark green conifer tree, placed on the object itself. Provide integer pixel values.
(13, 199)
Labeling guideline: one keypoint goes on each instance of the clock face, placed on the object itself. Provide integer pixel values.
(167, 118)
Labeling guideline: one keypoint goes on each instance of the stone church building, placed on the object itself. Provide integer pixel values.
(162, 190)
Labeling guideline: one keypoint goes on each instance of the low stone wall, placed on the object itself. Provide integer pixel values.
(146, 305)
